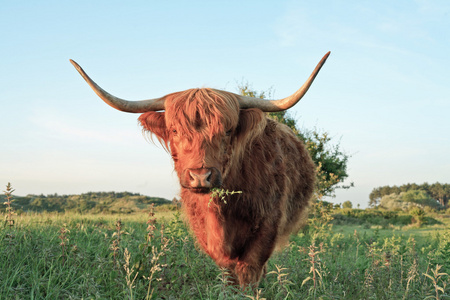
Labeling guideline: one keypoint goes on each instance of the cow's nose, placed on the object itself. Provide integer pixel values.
(200, 178)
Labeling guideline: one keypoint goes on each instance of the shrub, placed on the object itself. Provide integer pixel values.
(347, 204)
(370, 217)
(166, 207)
(418, 215)
(407, 200)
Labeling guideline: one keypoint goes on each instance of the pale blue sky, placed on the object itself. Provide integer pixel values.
(384, 93)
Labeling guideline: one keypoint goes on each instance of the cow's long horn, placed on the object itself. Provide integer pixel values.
(121, 104)
(282, 104)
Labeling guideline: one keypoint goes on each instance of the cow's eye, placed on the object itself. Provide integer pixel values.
(228, 133)
(174, 131)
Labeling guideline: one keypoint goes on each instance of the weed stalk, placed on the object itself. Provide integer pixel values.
(64, 241)
(314, 261)
(115, 247)
(9, 210)
(129, 272)
(437, 279)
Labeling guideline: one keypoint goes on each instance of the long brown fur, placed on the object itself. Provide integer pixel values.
(204, 128)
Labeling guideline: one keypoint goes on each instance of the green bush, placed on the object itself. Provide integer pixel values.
(370, 217)
(418, 215)
(347, 204)
(407, 200)
(166, 207)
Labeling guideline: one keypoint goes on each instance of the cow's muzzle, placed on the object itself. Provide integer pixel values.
(201, 180)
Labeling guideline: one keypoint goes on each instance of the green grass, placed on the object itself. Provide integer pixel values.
(348, 262)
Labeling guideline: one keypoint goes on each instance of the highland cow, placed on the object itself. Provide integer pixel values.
(222, 140)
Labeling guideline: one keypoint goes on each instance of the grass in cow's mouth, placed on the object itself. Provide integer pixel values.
(221, 194)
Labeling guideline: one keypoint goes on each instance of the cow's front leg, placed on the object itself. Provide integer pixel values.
(252, 263)
(248, 274)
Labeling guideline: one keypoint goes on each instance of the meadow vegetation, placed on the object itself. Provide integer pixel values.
(340, 254)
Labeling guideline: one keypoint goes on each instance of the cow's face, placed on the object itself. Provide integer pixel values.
(206, 133)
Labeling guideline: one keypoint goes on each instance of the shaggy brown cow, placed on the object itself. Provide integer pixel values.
(223, 140)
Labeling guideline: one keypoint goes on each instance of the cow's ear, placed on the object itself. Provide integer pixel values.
(155, 123)
(252, 123)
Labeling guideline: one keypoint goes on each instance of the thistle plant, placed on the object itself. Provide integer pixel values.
(437, 279)
(9, 221)
(282, 281)
(9, 210)
(315, 270)
(115, 247)
(320, 221)
(257, 297)
(64, 240)
(225, 286)
(150, 226)
(118, 229)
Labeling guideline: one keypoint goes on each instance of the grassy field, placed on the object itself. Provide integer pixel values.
(73, 256)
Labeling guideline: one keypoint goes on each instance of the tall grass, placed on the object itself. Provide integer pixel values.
(70, 256)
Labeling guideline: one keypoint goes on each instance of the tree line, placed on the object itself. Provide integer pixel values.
(93, 202)
(438, 191)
